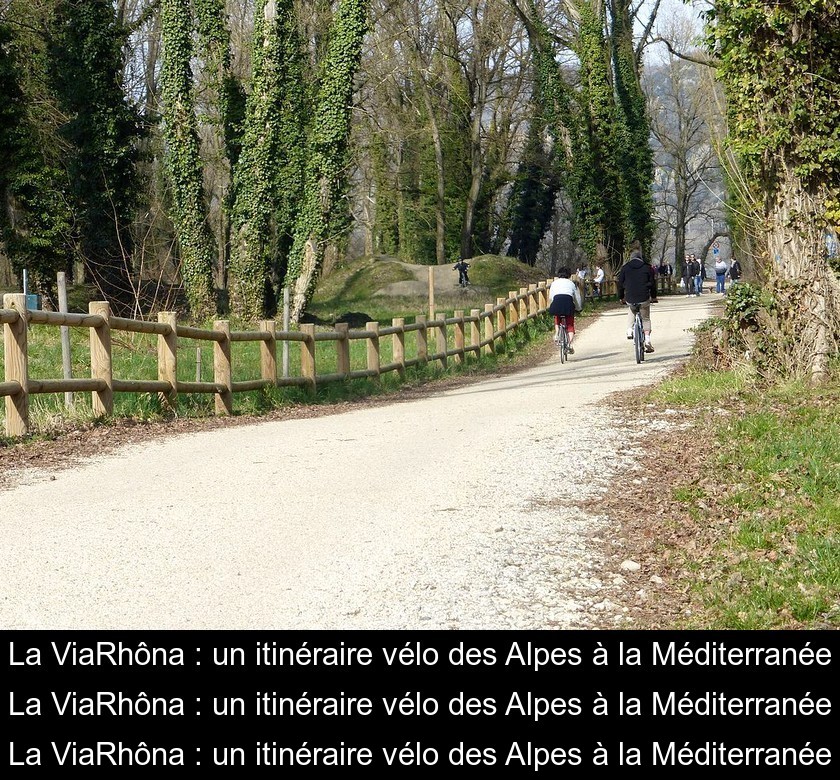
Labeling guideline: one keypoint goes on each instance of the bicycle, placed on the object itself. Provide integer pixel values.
(463, 278)
(563, 341)
(638, 332)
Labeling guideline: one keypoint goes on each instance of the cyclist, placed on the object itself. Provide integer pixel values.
(637, 284)
(461, 267)
(565, 301)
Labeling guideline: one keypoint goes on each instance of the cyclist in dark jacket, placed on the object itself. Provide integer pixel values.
(637, 284)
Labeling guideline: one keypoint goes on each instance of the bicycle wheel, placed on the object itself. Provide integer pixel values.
(639, 339)
(564, 344)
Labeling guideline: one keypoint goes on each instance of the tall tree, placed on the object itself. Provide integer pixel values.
(184, 165)
(321, 220)
(35, 217)
(102, 131)
(269, 177)
(532, 200)
(778, 65)
(637, 160)
(685, 119)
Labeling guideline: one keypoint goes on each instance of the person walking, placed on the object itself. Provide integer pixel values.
(720, 275)
(698, 269)
(598, 280)
(688, 276)
(637, 284)
(735, 272)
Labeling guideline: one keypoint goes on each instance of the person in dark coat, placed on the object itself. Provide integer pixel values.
(688, 276)
(637, 284)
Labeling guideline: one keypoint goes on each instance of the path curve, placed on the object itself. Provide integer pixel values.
(446, 512)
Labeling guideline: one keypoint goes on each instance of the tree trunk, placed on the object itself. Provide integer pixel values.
(476, 170)
(440, 203)
(806, 289)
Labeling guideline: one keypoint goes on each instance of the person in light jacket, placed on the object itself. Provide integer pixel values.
(565, 301)
(720, 275)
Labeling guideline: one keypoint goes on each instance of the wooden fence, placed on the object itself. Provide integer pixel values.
(473, 334)
(609, 287)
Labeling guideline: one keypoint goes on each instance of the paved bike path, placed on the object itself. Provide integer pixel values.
(452, 511)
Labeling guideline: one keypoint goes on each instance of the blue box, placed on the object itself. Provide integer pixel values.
(33, 301)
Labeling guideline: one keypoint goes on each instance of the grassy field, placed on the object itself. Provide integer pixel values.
(772, 478)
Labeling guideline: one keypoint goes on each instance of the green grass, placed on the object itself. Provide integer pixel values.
(702, 388)
(778, 461)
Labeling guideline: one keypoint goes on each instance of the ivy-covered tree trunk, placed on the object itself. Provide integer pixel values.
(603, 206)
(637, 159)
(532, 200)
(327, 163)
(778, 64)
(189, 210)
(269, 175)
(86, 58)
(584, 122)
(225, 113)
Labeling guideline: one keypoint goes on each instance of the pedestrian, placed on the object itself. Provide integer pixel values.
(720, 275)
(699, 269)
(735, 270)
(688, 275)
(598, 280)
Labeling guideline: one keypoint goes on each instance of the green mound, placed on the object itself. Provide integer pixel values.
(502, 274)
(363, 286)
(359, 280)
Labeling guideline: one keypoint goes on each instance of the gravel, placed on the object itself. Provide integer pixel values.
(455, 511)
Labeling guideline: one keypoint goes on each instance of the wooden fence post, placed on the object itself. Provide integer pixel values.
(222, 370)
(501, 323)
(533, 303)
(489, 348)
(399, 345)
(513, 310)
(431, 292)
(373, 363)
(475, 332)
(523, 304)
(342, 349)
(100, 359)
(168, 357)
(268, 351)
(422, 340)
(307, 355)
(460, 355)
(16, 364)
(441, 338)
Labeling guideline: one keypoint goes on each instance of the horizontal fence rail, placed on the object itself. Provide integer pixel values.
(474, 333)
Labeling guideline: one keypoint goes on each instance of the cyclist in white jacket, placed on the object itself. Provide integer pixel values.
(565, 300)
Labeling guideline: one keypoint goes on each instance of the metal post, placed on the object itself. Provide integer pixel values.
(285, 328)
(65, 335)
